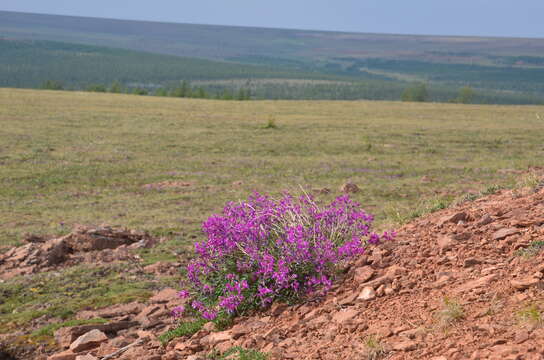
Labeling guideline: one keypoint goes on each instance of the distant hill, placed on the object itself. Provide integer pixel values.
(222, 42)
(28, 63)
(78, 51)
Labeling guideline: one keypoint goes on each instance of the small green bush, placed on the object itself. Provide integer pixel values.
(239, 353)
(184, 329)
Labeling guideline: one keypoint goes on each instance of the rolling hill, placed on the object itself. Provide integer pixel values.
(360, 66)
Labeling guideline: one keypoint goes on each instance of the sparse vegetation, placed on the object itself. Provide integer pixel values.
(451, 312)
(374, 349)
(271, 123)
(239, 353)
(531, 315)
(534, 248)
(184, 329)
(416, 93)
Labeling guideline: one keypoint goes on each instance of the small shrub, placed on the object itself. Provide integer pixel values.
(183, 329)
(451, 312)
(96, 88)
(531, 315)
(492, 189)
(271, 123)
(140, 91)
(239, 353)
(52, 85)
(533, 249)
(263, 250)
(374, 349)
(468, 197)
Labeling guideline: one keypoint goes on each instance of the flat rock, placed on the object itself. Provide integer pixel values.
(86, 357)
(522, 284)
(164, 296)
(363, 274)
(216, 338)
(404, 345)
(474, 284)
(65, 336)
(367, 294)
(345, 315)
(445, 243)
(65, 355)
(453, 218)
(504, 233)
(88, 341)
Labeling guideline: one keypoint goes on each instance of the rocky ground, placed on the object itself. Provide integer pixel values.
(462, 283)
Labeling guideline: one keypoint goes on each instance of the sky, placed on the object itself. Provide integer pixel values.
(517, 18)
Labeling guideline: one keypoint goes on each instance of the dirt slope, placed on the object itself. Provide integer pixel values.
(463, 283)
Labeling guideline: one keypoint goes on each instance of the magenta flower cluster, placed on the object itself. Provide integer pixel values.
(263, 249)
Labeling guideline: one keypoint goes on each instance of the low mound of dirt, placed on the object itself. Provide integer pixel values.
(84, 244)
(462, 283)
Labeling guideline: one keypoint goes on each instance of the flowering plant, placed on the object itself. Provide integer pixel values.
(263, 249)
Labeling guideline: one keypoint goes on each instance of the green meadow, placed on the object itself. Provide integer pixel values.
(82, 158)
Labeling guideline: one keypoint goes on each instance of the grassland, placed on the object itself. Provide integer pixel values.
(70, 158)
(84, 158)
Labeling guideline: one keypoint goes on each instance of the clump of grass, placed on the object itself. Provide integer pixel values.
(405, 215)
(374, 348)
(492, 189)
(271, 123)
(238, 353)
(532, 250)
(184, 329)
(451, 312)
(531, 181)
(531, 315)
(468, 197)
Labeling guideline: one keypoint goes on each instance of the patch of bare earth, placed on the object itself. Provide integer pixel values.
(83, 245)
(451, 286)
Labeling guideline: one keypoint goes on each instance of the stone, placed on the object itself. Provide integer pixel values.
(478, 283)
(216, 338)
(454, 218)
(344, 315)
(86, 357)
(349, 299)
(56, 251)
(404, 345)
(363, 274)
(247, 327)
(112, 311)
(444, 243)
(367, 294)
(88, 341)
(486, 219)
(349, 188)
(65, 336)
(504, 233)
(470, 262)
(385, 279)
(522, 284)
(65, 355)
(277, 309)
(389, 291)
(164, 296)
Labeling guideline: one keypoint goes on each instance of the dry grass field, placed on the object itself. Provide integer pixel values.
(78, 158)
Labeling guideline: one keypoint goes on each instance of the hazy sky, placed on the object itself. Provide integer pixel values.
(523, 18)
